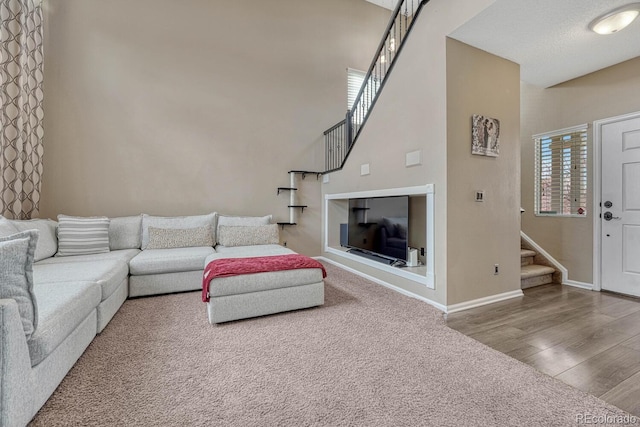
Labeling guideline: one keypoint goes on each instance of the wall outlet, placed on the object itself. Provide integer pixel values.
(496, 269)
(480, 196)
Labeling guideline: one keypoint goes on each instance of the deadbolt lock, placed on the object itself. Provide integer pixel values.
(608, 204)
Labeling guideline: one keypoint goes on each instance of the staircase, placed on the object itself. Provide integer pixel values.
(341, 137)
(532, 274)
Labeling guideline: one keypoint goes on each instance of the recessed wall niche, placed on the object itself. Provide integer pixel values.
(419, 235)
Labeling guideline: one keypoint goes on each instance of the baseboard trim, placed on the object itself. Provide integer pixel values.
(446, 309)
(483, 301)
(385, 284)
(581, 285)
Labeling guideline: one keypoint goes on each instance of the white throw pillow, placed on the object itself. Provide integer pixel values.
(168, 238)
(16, 275)
(242, 221)
(248, 235)
(176, 222)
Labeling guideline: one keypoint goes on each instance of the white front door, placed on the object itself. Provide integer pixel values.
(620, 211)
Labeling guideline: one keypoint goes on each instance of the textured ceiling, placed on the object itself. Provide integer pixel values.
(550, 39)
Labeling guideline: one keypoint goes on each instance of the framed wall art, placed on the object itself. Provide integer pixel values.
(485, 133)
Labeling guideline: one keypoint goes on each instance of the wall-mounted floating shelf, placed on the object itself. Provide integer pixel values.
(305, 173)
(286, 189)
(292, 189)
(282, 224)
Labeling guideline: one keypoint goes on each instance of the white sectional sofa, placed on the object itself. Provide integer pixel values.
(77, 295)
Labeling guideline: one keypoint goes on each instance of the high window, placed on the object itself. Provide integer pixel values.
(355, 79)
(561, 172)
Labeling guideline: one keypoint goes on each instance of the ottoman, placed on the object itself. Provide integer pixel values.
(257, 294)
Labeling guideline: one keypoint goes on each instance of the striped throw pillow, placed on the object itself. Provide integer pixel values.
(82, 235)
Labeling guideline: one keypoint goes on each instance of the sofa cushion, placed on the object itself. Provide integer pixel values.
(6, 227)
(125, 232)
(157, 261)
(176, 222)
(63, 306)
(82, 235)
(242, 221)
(248, 235)
(16, 275)
(108, 274)
(124, 255)
(47, 240)
(169, 238)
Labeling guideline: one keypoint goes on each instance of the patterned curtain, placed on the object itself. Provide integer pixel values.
(21, 72)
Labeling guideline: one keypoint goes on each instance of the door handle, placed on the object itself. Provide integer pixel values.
(608, 216)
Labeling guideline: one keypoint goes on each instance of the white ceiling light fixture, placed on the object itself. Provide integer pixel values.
(615, 20)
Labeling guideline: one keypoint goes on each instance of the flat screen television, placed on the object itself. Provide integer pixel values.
(379, 226)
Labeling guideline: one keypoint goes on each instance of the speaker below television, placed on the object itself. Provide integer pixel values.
(412, 257)
(344, 235)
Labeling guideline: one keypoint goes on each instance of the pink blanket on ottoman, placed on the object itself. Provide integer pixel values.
(226, 267)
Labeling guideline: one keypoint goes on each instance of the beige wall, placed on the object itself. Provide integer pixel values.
(185, 107)
(411, 114)
(606, 93)
(480, 235)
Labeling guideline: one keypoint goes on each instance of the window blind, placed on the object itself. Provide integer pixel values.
(355, 79)
(561, 172)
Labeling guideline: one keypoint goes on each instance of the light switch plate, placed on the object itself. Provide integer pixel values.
(364, 169)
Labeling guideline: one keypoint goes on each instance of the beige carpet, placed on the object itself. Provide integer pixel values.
(368, 357)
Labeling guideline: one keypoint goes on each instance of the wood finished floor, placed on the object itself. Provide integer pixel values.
(589, 340)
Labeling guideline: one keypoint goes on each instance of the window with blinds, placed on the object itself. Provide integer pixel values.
(561, 172)
(355, 79)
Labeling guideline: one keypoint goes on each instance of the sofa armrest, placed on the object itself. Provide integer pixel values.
(15, 367)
